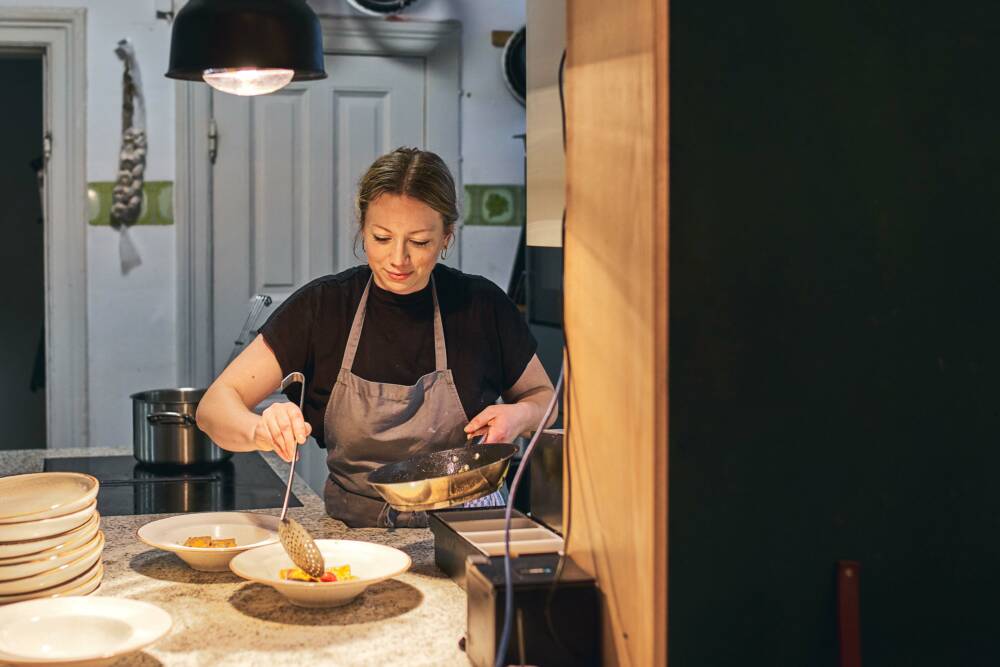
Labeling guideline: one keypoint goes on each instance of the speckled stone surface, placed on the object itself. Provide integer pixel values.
(219, 619)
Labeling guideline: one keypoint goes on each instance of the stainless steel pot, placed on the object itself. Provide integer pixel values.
(164, 431)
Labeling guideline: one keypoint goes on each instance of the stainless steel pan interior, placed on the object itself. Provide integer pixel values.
(443, 479)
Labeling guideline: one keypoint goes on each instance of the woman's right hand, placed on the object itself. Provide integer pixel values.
(280, 429)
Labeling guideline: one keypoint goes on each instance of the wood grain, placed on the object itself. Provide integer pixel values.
(616, 315)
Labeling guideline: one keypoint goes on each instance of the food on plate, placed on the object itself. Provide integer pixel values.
(341, 573)
(206, 542)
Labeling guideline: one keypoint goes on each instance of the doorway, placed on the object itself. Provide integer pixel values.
(22, 338)
(53, 41)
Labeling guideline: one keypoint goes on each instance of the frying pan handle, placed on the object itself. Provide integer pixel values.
(170, 419)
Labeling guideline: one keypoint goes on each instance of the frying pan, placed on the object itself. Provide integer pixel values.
(443, 479)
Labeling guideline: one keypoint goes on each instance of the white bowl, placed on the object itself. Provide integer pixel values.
(18, 551)
(370, 563)
(250, 530)
(38, 563)
(85, 584)
(57, 575)
(43, 495)
(78, 631)
(41, 528)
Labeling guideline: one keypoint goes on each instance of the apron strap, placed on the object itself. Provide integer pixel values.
(440, 354)
(354, 338)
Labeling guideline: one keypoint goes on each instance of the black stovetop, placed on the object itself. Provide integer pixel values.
(245, 482)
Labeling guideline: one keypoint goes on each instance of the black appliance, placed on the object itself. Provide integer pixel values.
(245, 482)
(553, 626)
(463, 532)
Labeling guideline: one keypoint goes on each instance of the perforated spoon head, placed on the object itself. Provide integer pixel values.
(301, 548)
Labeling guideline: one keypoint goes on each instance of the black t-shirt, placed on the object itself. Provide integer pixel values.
(488, 343)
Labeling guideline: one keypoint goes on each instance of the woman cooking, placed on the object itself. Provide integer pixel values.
(396, 354)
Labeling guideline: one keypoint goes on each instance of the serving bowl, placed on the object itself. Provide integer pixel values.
(17, 551)
(41, 528)
(44, 495)
(85, 584)
(370, 563)
(92, 631)
(250, 530)
(57, 575)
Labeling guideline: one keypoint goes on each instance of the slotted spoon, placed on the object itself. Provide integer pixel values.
(296, 540)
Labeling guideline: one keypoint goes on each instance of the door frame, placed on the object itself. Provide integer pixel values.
(60, 35)
(438, 42)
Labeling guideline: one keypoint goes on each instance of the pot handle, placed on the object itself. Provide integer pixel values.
(171, 419)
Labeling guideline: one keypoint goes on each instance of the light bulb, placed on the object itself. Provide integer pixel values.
(248, 80)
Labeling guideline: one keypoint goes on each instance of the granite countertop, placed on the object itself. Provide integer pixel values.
(219, 619)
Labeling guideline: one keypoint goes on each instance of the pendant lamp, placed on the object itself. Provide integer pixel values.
(246, 47)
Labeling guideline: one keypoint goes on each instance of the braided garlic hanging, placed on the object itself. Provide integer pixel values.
(126, 196)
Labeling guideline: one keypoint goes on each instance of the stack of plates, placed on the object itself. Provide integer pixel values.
(50, 542)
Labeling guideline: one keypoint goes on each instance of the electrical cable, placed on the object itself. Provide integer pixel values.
(565, 371)
(508, 612)
(567, 413)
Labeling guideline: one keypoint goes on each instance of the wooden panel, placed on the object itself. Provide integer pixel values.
(616, 305)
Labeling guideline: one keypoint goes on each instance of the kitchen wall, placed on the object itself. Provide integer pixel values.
(132, 318)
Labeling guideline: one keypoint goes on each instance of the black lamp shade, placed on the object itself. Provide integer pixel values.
(223, 34)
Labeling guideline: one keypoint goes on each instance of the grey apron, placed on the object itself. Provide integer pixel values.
(369, 424)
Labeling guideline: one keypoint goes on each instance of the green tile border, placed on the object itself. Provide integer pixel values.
(158, 193)
(494, 205)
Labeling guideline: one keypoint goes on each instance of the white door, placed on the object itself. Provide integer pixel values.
(286, 175)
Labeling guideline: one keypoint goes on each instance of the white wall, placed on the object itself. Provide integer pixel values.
(132, 318)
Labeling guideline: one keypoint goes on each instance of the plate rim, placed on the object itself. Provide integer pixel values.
(180, 548)
(325, 584)
(66, 536)
(94, 487)
(83, 601)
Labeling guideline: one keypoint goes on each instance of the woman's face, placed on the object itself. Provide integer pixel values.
(403, 239)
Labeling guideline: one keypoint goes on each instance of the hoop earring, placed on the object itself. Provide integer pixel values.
(444, 253)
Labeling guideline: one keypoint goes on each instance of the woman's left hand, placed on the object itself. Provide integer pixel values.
(502, 422)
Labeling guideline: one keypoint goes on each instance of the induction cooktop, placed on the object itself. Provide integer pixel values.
(245, 482)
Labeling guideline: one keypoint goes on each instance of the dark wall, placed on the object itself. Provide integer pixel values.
(835, 329)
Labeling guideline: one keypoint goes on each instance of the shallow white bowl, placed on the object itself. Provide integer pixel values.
(371, 563)
(41, 528)
(43, 495)
(78, 630)
(28, 549)
(85, 584)
(47, 561)
(250, 530)
(57, 575)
